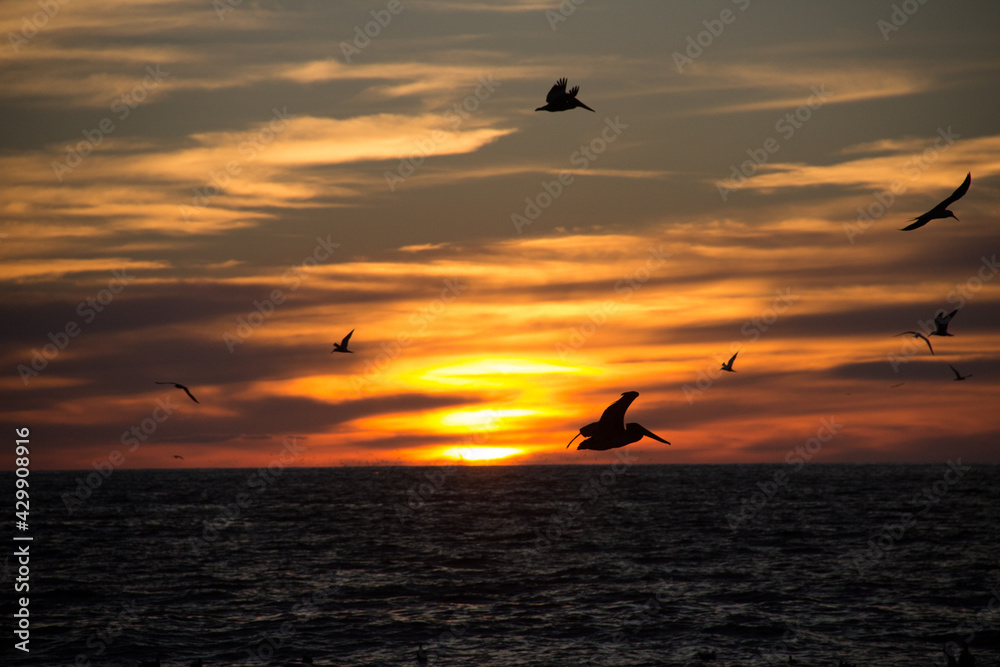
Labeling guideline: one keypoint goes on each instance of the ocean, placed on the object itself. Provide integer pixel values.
(612, 564)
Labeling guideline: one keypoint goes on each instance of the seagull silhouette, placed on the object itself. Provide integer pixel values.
(342, 345)
(958, 376)
(728, 366)
(559, 99)
(941, 210)
(178, 456)
(917, 334)
(180, 386)
(941, 323)
(612, 431)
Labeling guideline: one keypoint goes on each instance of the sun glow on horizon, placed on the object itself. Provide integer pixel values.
(481, 453)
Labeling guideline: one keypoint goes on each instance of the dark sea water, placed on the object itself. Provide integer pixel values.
(616, 564)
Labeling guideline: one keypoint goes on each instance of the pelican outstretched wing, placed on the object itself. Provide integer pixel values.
(614, 415)
(558, 91)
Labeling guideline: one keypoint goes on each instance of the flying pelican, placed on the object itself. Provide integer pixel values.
(342, 345)
(612, 431)
(941, 323)
(728, 366)
(917, 334)
(180, 386)
(941, 210)
(958, 376)
(559, 99)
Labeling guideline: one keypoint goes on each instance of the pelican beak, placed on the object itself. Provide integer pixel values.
(649, 434)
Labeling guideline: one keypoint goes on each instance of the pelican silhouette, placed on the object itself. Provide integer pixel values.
(180, 386)
(612, 431)
(941, 323)
(941, 210)
(728, 366)
(917, 334)
(958, 376)
(559, 99)
(342, 345)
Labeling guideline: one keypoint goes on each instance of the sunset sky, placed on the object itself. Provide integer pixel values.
(214, 194)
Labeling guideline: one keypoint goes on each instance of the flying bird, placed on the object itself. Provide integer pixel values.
(612, 431)
(342, 345)
(941, 323)
(178, 456)
(917, 334)
(728, 366)
(180, 386)
(958, 376)
(559, 99)
(941, 210)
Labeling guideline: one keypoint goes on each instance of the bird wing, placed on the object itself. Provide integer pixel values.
(918, 222)
(188, 392)
(731, 360)
(558, 91)
(943, 319)
(343, 343)
(573, 91)
(958, 193)
(957, 374)
(614, 414)
(917, 334)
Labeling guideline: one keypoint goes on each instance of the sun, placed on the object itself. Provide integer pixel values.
(481, 453)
